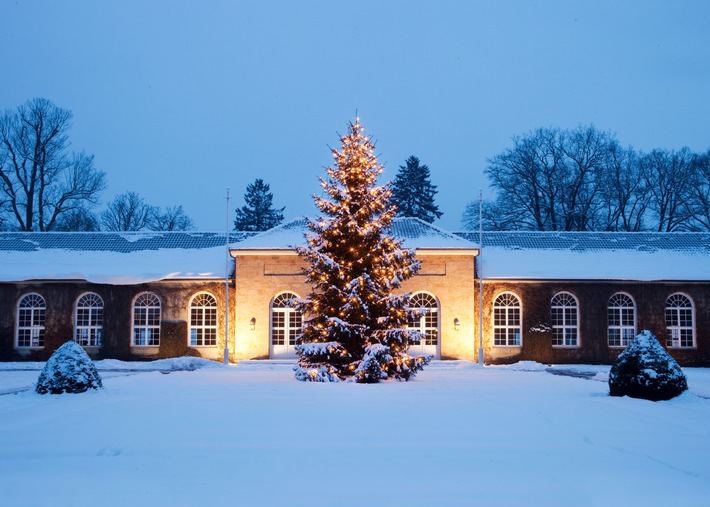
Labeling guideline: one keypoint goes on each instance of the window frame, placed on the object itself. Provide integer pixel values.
(670, 340)
(615, 313)
(209, 335)
(149, 329)
(289, 318)
(426, 313)
(94, 327)
(37, 321)
(564, 326)
(507, 327)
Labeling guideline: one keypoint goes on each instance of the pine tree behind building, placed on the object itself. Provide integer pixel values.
(258, 214)
(413, 192)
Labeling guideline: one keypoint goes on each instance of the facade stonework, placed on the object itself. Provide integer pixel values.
(261, 277)
(593, 297)
(61, 297)
(532, 269)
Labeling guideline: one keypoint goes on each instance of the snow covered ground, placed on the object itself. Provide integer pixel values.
(250, 435)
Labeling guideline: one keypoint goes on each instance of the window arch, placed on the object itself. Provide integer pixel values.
(507, 320)
(31, 312)
(88, 320)
(146, 320)
(203, 320)
(680, 321)
(286, 324)
(621, 320)
(424, 317)
(564, 316)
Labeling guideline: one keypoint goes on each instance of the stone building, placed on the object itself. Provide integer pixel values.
(547, 297)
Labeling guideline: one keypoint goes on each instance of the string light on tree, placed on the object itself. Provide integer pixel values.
(356, 326)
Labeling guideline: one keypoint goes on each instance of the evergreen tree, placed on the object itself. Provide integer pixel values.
(413, 192)
(356, 326)
(259, 213)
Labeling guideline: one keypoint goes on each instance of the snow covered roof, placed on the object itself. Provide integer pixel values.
(413, 232)
(137, 257)
(113, 257)
(595, 255)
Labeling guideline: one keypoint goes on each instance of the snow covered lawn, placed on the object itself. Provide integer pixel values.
(250, 435)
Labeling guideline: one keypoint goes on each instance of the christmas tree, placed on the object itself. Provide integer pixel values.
(356, 326)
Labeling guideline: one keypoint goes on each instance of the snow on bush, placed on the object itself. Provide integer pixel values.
(645, 370)
(322, 373)
(69, 370)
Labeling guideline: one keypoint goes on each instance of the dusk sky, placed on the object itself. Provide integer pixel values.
(179, 100)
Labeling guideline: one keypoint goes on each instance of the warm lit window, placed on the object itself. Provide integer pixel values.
(30, 321)
(507, 320)
(146, 320)
(286, 321)
(424, 317)
(88, 320)
(564, 319)
(680, 321)
(203, 321)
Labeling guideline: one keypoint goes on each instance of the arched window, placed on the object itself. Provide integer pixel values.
(680, 321)
(424, 317)
(146, 320)
(621, 320)
(30, 321)
(564, 318)
(286, 323)
(88, 320)
(203, 320)
(507, 320)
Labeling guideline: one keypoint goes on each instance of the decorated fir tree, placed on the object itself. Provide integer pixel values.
(356, 324)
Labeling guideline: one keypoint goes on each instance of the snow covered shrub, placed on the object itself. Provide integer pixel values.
(645, 370)
(69, 370)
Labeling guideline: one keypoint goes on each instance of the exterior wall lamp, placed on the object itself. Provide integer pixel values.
(457, 324)
(252, 323)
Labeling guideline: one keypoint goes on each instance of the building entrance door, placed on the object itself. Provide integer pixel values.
(286, 324)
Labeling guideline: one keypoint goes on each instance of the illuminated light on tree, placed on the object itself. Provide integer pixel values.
(356, 327)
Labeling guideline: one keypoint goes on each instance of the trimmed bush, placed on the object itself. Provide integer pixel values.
(645, 370)
(69, 370)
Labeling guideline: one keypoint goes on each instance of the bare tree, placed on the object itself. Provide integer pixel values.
(127, 212)
(669, 178)
(551, 179)
(496, 217)
(586, 162)
(700, 201)
(524, 177)
(39, 179)
(582, 179)
(173, 218)
(624, 194)
(79, 219)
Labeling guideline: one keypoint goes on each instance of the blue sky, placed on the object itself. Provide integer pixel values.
(179, 100)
